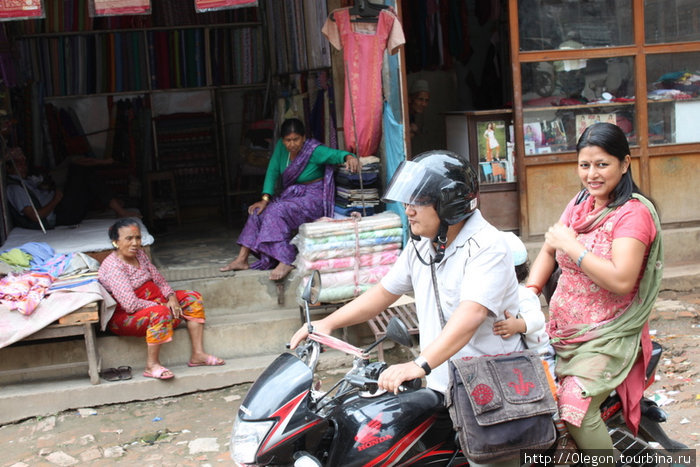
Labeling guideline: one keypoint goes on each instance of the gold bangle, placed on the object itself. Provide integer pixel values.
(266, 197)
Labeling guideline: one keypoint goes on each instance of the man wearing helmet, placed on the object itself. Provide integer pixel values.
(452, 247)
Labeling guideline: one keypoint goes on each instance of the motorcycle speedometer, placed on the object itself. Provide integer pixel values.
(246, 438)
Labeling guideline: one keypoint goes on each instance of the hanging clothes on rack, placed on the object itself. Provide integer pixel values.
(363, 44)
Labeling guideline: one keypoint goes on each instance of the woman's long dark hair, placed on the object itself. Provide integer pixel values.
(612, 140)
(113, 231)
(292, 125)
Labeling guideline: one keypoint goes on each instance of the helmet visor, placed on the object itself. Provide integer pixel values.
(413, 183)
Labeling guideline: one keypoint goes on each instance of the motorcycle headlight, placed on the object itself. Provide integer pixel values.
(246, 438)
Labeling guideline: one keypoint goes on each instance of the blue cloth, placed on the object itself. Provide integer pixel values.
(393, 141)
(55, 265)
(40, 251)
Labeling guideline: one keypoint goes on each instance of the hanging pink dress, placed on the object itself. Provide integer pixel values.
(363, 52)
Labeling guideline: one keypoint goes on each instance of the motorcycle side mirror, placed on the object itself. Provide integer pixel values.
(398, 332)
(310, 295)
(313, 288)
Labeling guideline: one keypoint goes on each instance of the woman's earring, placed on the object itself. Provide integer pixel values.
(114, 244)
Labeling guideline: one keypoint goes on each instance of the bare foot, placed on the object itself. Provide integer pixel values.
(281, 271)
(235, 265)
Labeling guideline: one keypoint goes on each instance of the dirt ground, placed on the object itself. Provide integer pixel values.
(194, 430)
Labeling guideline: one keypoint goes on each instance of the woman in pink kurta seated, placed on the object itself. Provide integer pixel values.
(146, 304)
(608, 245)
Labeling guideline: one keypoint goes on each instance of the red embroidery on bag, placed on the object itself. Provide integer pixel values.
(482, 394)
(522, 388)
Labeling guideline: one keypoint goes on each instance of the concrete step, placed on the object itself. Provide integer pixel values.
(242, 291)
(228, 336)
(47, 397)
(20, 401)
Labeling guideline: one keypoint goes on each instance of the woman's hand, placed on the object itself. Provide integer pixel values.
(395, 375)
(258, 207)
(560, 236)
(174, 306)
(352, 163)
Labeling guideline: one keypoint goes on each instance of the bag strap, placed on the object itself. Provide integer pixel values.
(437, 295)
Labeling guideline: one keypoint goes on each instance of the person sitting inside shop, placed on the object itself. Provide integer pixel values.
(56, 206)
(303, 167)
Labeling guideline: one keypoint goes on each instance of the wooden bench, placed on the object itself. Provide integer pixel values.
(405, 311)
(78, 323)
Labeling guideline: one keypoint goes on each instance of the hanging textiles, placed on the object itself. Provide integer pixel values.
(120, 7)
(21, 9)
(363, 46)
(211, 5)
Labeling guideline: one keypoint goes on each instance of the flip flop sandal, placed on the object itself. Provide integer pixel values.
(211, 361)
(124, 372)
(110, 374)
(159, 373)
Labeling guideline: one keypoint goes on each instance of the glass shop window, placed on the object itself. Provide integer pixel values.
(562, 98)
(671, 21)
(674, 97)
(574, 24)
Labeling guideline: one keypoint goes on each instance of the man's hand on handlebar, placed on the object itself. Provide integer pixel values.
(303, 333)
(396, 375)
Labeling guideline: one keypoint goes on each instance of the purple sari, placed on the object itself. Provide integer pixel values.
(268, 234)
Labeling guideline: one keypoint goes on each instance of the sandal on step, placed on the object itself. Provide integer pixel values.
(110, 374)
(124, 372)
(160, 373)
(211, 361)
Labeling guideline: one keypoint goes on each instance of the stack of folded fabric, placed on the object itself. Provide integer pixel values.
(351, 254)
(358, 192)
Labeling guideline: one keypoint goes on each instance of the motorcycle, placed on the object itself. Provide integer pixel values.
(285, 419)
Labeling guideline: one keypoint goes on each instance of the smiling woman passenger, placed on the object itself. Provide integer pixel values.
(608, 245)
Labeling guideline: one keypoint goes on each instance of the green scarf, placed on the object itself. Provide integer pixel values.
(601, 356)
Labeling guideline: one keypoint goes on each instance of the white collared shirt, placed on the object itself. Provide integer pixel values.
(477, 267)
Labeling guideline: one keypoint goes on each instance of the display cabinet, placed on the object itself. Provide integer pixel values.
(635, 63)
(486, 138)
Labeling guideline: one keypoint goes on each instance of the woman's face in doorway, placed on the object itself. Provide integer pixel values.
(293, 142)
(419, 102)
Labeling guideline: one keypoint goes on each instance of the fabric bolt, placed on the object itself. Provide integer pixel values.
(370, 275)
(316, 243)
(334, 264)
(384, 220)
(268, 234)
(156, 322)
(342, 252)
(363, 53)
(334, 244)
(597, 334)
(23, 292)
(121, 279)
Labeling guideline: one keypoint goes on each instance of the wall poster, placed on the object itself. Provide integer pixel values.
(120, 7)
(21, 9)
(210, 5)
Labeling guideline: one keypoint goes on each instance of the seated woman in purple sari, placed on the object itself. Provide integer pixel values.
(304, 168)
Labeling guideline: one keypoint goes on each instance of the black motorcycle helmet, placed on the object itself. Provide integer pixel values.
(441, 178)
